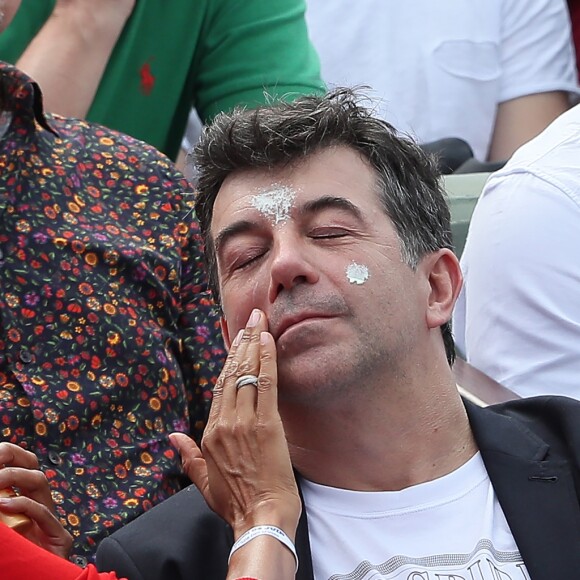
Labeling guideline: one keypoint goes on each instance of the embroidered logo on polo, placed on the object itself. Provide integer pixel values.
(484, 563)
(147, 78)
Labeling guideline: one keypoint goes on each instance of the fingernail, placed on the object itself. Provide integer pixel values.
(264, 338)
(5, 500)
(238, 338)
(254, 318)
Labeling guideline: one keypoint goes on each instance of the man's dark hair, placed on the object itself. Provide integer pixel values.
(281, 134)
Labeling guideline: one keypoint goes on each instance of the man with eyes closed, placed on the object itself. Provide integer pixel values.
(337, 441)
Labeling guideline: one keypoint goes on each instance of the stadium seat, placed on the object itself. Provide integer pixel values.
(478, 387)
(462, 191)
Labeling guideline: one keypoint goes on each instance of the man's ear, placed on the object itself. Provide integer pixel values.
(225, 332)
(445, 280)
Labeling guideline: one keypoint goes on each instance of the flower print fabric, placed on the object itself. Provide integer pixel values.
(108, 338)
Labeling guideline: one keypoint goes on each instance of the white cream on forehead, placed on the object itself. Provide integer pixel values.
(275, 202)
(357, 273)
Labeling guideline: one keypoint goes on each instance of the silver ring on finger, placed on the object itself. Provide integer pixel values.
(245, 380)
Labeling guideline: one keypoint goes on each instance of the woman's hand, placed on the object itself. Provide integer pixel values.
(19, 469)
(243, 468)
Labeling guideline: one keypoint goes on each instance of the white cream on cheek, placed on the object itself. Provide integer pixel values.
(275, 202)
(357, 273)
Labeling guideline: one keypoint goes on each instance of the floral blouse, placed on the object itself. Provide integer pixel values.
(108, 338)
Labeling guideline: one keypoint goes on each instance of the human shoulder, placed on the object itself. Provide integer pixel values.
(552, 419)
(551, 157)
(90, 141)
(254, 67)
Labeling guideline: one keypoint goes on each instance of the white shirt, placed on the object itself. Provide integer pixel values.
(518, 316)
(441, 67)
(449, 528)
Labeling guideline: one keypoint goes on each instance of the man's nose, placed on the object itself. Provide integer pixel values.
(292, 264)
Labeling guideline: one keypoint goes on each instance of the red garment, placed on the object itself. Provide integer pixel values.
(23, 560)
(574, 7)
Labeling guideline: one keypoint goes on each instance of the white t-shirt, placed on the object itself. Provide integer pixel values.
(452, 528)
(442, 66)
(518, 315)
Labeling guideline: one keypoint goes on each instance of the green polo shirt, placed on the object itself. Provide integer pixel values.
(175, 54)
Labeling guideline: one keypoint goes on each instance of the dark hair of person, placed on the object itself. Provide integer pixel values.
(281, 134)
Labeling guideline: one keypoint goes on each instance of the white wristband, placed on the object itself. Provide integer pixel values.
(273, 531)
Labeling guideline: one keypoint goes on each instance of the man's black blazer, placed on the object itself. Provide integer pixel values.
(530, 447)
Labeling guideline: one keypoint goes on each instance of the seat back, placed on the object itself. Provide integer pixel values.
(462, 190)
(478, 387)
(450, 153)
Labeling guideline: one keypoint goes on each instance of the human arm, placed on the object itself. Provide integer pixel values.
(537, 72)
(243, 468)
(214, 55)
(521, 119)
(70, 52)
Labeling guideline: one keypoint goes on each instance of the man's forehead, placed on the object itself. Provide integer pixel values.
(243, 183)
(334, 170)
(266, 196)
(275, 201)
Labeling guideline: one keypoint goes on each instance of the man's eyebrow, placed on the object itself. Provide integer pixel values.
(232, 230)
(331, 202)
(310, 207)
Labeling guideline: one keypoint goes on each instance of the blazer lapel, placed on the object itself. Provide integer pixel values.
(535, 491)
